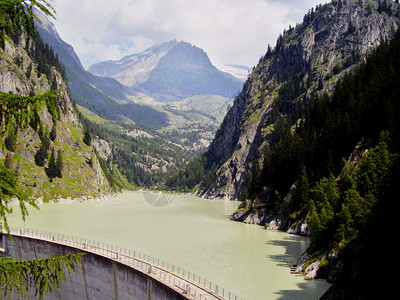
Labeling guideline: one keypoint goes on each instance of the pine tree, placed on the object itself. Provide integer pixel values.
(18, 16)
(87, 139)
(59, 164)
(53, 132)
(51, 170)
(41, 156)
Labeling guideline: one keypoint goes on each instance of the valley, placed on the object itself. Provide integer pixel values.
(305, 143)
(115, 92)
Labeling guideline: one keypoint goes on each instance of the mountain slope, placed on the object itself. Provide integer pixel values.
(49, 155)
(307, 59)
(186, 71)
(112, 100)
(104, 96)
(135, 150)
(315, 150)
(134, 68)
(171, 72)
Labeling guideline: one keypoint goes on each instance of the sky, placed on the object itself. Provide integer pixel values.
(229, 31)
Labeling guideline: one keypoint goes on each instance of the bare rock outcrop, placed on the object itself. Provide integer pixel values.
(330, 42)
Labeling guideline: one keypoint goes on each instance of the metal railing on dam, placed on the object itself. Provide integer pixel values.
(186, 283)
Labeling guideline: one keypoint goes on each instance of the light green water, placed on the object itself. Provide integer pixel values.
(191, 233)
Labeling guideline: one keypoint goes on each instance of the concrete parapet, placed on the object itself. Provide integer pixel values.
(97, 277)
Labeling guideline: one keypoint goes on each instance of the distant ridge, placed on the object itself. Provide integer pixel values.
(102, 95)
(133, 68)
(170, 72)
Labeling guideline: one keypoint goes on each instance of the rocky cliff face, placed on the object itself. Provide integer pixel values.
(82, 176)
(312, 56)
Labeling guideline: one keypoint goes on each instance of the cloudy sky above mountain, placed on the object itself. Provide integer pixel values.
(230, 31)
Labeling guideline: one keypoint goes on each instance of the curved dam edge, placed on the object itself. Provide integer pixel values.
(101, 277)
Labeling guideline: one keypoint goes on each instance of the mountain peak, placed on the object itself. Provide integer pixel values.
(185, 71)
(133, 68)
(184, 53)
(170, 71)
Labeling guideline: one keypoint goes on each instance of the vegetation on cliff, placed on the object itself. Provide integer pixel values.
(49, 148)
(18, 113)
(346, 205)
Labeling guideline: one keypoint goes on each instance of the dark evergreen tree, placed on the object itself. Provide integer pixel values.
(87, 138)
(53, 132)
(51, 169)
(41, 156)
(59, 164)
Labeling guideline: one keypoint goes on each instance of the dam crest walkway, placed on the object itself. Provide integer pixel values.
(183, 282)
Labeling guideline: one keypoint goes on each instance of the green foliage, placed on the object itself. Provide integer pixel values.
(359, 109)
(345, 199)
(373, 169)
(59, 164)
(8, 182)
(210, 176)
(46, 61)
(109, 173)
(17, 15)
(43, 274)
(41, 156)
(186, 179)
(145, 161)
(18, 111)
(384, 6)
(309, 17)
(244, 195)
(11, 139)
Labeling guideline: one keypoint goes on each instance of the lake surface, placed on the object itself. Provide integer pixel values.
(192, 233)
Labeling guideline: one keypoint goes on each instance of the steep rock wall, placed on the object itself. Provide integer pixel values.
(82, 176)
(330, 42)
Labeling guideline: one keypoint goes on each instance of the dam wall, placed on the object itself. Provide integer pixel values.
(107, 273)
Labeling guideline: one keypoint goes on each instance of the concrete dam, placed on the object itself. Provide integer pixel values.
(108, 272)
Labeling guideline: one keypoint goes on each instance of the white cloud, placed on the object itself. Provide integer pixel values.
(230, 31)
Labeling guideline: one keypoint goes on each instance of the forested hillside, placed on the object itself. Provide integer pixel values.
(311, 144)
(308, 60)
(135, 156)
(145, 143)
(346, 199)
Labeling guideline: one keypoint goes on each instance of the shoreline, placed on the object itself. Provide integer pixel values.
(81, 199)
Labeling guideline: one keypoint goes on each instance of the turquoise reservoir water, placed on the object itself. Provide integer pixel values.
(191, 233)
